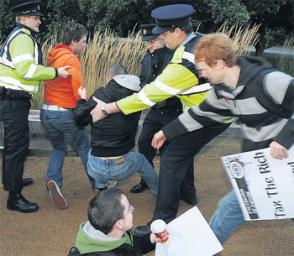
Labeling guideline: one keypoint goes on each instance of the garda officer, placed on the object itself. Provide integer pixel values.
(154, 61)
(20, 76)
(176, 176)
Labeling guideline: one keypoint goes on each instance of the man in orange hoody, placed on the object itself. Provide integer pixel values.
(60, 98)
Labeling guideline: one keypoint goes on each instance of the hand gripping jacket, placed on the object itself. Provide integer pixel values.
(19, 62)
(179, 78)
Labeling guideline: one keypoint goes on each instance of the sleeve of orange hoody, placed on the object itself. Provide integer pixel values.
(76, 76)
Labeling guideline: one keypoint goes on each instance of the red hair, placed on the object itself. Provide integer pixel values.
(213, 47)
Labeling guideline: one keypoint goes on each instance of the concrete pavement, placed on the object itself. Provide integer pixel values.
(51, 232)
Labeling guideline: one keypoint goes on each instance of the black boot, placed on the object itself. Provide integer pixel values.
(16, 202)
(140, 187)
(25, 182)
(191, 199)
(141, 231)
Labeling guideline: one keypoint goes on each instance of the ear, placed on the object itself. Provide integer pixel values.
(220, 64)
(178, 31)
(73, 42)
(119, 224)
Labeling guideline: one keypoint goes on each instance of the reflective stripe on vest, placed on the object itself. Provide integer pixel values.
(197, 89)
(6, 60)
(11, 83)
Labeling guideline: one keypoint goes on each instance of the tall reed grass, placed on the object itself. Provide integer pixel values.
(286, 63)
(242, 36)
(105, 49)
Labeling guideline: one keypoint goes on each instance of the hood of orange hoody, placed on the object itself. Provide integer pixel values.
(59, 53)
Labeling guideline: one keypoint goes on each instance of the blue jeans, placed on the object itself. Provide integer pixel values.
(104, 170)
(62, 131)
(227, 217)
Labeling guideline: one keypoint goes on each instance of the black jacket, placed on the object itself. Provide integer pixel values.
(115, 134)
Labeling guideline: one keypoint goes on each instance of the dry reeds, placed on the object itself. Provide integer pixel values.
(286, 62)
(37, 100)
(243, 37)
(105, 49)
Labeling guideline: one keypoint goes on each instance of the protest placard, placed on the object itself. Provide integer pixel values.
(189, 235)
(264, 185)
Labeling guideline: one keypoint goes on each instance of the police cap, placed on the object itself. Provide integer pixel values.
(26, 8)
(147, 32)
(171, 16)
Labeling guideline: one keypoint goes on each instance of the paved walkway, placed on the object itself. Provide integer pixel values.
(50, 232)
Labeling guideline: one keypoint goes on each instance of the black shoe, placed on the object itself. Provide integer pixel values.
(142, 230)
(140, 187)
(189, 200)
(18, 203)
(25, 182)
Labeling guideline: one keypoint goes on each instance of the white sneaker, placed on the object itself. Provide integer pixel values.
(55, 194)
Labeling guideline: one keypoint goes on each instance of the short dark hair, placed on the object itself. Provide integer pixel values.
(114, 70)
(187, 29)
(72, 32)
(105, 209)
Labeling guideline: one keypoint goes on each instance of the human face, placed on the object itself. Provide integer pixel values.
(170, 39)
(155, 44)
(128, 213)
(214, 73)
(33, 22)
(79, 46)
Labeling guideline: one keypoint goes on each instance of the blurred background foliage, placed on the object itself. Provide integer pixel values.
(263, 24)
(275, 17)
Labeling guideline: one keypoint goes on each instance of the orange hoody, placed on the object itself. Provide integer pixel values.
(63, 92)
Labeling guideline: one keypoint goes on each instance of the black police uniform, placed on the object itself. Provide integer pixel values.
(14, 110)
(160, 114)
(176, 176)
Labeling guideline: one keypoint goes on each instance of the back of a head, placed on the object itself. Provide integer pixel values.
(72, 32)
(105, 209)
(215, 46)
(114, 70)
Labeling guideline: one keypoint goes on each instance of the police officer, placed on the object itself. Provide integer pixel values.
(20, 76)
(154, 61)
(176, 176)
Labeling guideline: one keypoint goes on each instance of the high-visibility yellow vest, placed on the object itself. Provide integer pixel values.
(19, 62)
(179, 78)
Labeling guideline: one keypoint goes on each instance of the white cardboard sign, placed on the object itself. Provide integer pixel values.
(189, 235)
(264, 185)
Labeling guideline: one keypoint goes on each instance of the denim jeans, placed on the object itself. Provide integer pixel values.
(227, 217)
(62, 131)
(104, 170)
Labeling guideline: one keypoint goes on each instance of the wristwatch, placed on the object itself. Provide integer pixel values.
(103, 110)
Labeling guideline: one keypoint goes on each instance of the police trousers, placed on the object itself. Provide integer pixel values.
(175, 169)
(14, 114)
(153, 122)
